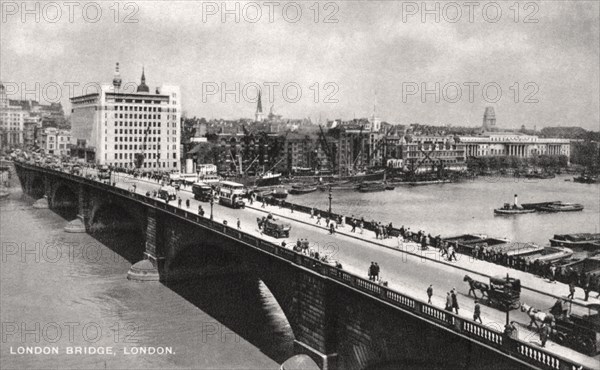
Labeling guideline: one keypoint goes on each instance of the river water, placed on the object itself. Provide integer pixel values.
(70, 290)
(467, 207)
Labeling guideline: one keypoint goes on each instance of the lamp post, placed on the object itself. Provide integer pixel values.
(507, 303)
(329, 200)
(212, 201)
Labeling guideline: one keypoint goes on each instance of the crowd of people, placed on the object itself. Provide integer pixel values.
(587, 281)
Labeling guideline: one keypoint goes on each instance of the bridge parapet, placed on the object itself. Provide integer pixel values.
(331, 277)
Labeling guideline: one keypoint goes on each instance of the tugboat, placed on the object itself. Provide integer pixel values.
(514, 209)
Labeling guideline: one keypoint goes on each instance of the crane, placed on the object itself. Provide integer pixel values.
(327, 149)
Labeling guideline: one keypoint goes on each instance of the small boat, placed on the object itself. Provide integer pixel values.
(371, 187)
(540, 175)
(428, 182)
(586, 179)
(338, 186)
(279, 192)
(303, 189)
(268, 179)
(549, 254)
(580, 241)
(562, 207)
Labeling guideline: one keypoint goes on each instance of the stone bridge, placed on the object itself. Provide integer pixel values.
(341, 320)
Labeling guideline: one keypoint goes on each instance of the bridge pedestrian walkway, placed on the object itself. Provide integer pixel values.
(464, 262)
(411, 276)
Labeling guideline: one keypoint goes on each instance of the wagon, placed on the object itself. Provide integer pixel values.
(274, 227)
(504, 292)
(579, 331)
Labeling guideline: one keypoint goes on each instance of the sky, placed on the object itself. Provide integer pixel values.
(438, 63)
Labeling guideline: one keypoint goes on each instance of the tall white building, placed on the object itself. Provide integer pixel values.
(12, 121)
(114, 126)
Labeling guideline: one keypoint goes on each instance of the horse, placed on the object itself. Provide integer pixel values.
(475, 285)
(537, 315)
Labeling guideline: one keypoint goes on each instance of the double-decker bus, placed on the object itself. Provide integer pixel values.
(230, 194)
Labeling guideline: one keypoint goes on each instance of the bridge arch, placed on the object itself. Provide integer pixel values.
(116, 226)
(64, 196)
(38, 187)
(196, 254)
(115, 216)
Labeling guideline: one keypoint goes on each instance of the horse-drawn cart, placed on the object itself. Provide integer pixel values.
(502, 292)
(578, 331)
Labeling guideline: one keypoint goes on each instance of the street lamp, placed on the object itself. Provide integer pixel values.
(212, 201)
(507, 302)
(329, 200)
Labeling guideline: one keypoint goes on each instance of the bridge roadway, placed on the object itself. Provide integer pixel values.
(404, 272)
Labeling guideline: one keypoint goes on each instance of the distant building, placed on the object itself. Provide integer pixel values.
(514, 144)
(425, 153)
(493, 142)
(32, 126)
(489, 119)
(12, 121)
(113, 127)
(305, 153)
(258, 116)
(55, 141)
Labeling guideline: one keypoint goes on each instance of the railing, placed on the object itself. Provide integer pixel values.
(493, 338)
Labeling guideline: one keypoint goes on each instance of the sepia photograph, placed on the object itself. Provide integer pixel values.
(300, 185)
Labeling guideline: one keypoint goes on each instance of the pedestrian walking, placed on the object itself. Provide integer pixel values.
(448, 302)
(376, 271)
(451, 253)
(477, 312)
(429, 293)
(239, 224)
(361, 227)
(553, 273)
(179, 202)
(587, 286)
(187, 203)
(544, 333)
(318, 219)
(312, 213)
(200, 210)
(371, 271)
(263, 203)
(454, 300)
(353, 224)
(571, 290)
